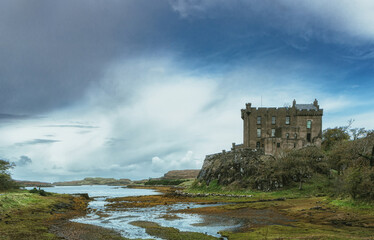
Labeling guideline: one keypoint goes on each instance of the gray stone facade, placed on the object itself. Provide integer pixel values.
(276, 129)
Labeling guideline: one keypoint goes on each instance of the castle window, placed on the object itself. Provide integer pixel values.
(273, 132)
(259, 120)
(288, 120)
(287, 135)
(309, 124)
(257, 145)
(308, 137)
(258, 132)
(273, 120)
(278, 145)
(295, 135)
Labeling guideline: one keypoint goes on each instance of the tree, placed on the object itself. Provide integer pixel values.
(358, 133)
(332, 136)
(301, 164)
(340, 156)
(6, 181)
(364, 148)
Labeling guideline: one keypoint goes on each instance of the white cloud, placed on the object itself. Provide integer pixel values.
(147, 122)
(188, 161)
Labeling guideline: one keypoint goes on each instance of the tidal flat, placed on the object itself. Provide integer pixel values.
(269, 218)
(167, 215)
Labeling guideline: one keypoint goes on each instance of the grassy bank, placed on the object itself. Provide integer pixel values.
(315, 212)
(25, 215)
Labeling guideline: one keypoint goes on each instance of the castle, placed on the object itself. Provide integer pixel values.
(276, 129)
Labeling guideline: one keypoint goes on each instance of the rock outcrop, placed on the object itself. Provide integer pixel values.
(181, 174)
(241, 167)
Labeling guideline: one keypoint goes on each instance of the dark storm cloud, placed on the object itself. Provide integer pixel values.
(51, 52)
(12, 116)
(37, 141)
(5, 118)
(23, 161)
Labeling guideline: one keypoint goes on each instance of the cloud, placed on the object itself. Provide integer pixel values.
(66, 47)
(170, 119)
(37, 141)
(23, 161)
(70, 126)
(188, 161)
(212, 36)
(12, 116)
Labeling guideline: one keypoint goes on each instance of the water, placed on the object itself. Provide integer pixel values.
(119, 220)
(95, 191)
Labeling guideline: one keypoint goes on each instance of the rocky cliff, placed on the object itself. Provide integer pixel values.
(241, 167)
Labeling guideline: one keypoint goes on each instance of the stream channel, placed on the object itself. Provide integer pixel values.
(119, 220)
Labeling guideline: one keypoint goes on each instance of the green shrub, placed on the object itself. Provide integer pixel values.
(152, 182)
(359, 183)
(41, 192)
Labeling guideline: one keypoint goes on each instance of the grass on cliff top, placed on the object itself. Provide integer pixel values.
(316, 187)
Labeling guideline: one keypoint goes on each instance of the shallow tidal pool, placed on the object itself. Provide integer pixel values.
(120, 219)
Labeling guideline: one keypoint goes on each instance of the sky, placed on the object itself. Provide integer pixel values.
(135, 88)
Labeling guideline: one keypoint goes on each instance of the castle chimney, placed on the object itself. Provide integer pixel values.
(315, 103)
(248, 106)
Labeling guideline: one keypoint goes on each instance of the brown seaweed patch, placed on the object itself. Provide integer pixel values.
(170, 233)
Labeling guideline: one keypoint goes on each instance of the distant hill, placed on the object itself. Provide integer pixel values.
(95, 181)
(33, 184)
(181, 174)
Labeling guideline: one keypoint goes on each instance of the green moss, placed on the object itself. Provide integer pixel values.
(319, 185)
(352, 204)
(300, 231)
(170, 233)
(164, 182)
